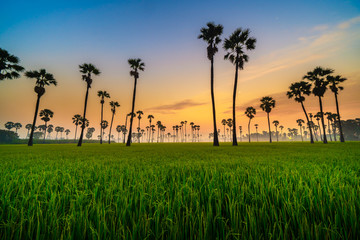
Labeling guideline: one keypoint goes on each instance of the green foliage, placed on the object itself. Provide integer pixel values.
(180, 191)
(8, 137)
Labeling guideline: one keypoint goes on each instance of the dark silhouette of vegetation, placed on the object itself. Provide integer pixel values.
(102, 95)
(113, 106)
(8, 137)
(300, 124)
(276, 124)
(76, 120)
(250, 113)
(9, 125)
(46, 115)
(267, 104)
(9, 66)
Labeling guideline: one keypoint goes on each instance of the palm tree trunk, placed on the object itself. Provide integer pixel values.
(125, 128)
(128, 143)
(102, 110)
(342, 139)
(234, 104)
(216, 138)
(75, 131)
(302, 139)
(45, 131)
(321, 137)
(308, 122)
(268, 117)
(329, 130)
(277, 134)
(334, 131)
(112, 119)
(249, 130)
(322, 121)
(30, 142)
(84, 115)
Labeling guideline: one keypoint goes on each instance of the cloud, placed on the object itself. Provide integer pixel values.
(320, 28)
(170, 108)
(348, 23)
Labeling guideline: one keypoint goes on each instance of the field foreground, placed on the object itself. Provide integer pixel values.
(180, 191)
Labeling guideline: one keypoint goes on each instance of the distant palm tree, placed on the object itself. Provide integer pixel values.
(28, 127)
(61, 131)
(328, 117)
(276, 124)
(57, 130)
(211, 35)
(119, 130)
(150, 117)
(267, 104)
(224, 123)
(50, 129)
(318, 78)
(297, 91)
(158, 124)
(250, 113)
(104, 125)
(67, 131)
(136, 65)
(139, 114)
(113, 105)
(46, 115)
(127, 115)
(76, 120)
(185, 131)
(42, 79)
(9, 66)
(17, 126)
(257, 135)
(87, 69)
(318, 118)
(333, 119)
(192, 131)
(335, 88)
(281, 129)
(300, 123)
(85, 122)
(9, 125)
(235, 45)
(102, 95)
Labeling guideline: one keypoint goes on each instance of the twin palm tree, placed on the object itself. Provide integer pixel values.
(102, 95)
(250, 113)
(267, 104)
(136, 65)
(276, 124)
(87, 69)
(297, 91)
(42, 79)
(46, 115)
(113, 105)
(211, 35)
(9, 66)
(235, 45)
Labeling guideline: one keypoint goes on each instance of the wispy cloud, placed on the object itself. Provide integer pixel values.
(349, 23)
(171, 108)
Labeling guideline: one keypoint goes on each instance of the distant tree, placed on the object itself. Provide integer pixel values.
(158, 124)
(276, 124)
(87, 69)
(83, 122)
(9, 125)
(104, 125)
(119, 129)
(235, 45)
(46, 115)
(281, 129)
(257, 134)
(61, 131)
(102, 95)
(267, 104)
(300, 124)
(113, 106)
(9, 66)
(42, 79)
(250, 113)
(67, 131)
(224, 123)
(76, 120)
(28, 127)
(57, 130)
(90, 132)
(150, 117)
(318, 117)
(328, 117)
(50, 129)
(17, 126)
(240, 129)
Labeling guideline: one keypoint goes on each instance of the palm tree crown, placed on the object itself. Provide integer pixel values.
(267, 103)
(87, 69)
(250, 112)
(136, 64)
(334, 82)
(46, 115)
(9, 65)
(297, 91)
(102, 95)
(211, 34)
(317, 76)
(114, 105)
(42, 77)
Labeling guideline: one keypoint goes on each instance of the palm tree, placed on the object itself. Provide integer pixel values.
(276, 124)
(158, 124)
(335, 88)
(211, 35)
(113, 105)
(17, 126)
(317, 77)
(150, 117)
(119, 130)
(46, 115)
(224, 123)
(127, 115)
(235, 45)
(300, 123)
(42, 79)
(328, 117)
(28, 127)
(76, 120)
(250, 113)
(281, 129)
(67, 131)
(333, 119)
(104, 125)
(267, 103)
(297, 91)
(57, 130)
(240, 129)
(61, 131)
(139, 113)
(9, 125)
(257, 135)
(9, 66)
(102, 95)
(50, 129)
(192, 131)
(135, 65)
(85, 122)
(87, 69)
(317, 118)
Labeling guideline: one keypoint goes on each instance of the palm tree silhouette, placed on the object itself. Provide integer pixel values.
(50, 129)
(61, 131)
(85, 122)
(67, 131)
(328, 117)
(192, 131)
(257, 135)
(17, 126)
(150, 117)
(281, 129)
(317, 118)
(240, 129)
(113, 105)
(333, 119)
(57, 130)
(211, 35)
(76, 120)
(42, 79)
(334, 82)
(224, 123)
(318, 78)
(46, 115)
(297, 91)
(267, 103)
(276, 124)
(102, 95)
(28, 127)
(9, 66)
(104, 125)
(158, 124)
(87, 69)
(139, 114)
(235, 45)
(250, 113)
(300, 123)
(119, 130)
(135, 65)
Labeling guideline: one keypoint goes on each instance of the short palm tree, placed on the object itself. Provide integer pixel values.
(158, 124)
(136, 65)
(102, 95)
(28, 127)
(150, 117)
(57, 130)
(318, 78)
(276, 124)
(87, 69)
(235, 45)
(113, 105)
(9, 66)
(224, 123)
(257, 135)
(250, 113)
(267, 104)
(334, 82)
(42, 79)
(211, 35)
(46, 115)
(298, 90)
(119, 130)
(281, 129)
(104, 125)
(300, 124)
(76, 120)
(50, 129)
(139, 114)
(67, 131)
(17, 126)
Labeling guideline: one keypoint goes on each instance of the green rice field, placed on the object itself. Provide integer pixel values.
(180, 191)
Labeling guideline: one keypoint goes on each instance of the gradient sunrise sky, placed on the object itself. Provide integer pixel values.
(293, 37)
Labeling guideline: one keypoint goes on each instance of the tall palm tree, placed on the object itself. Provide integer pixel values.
(9, 125)
(211, 35)
(28, 127)
(61, 131)
(235, 45)
(102, 95)
(297, 91)
(318, 78)
(136, 65)
(276, 124)
(267, 104)
(250, 113)
(127, 115)
(113, 105)
(76, 120)
(334, 83)
(9, 66)
(57, 130)
(46, 115)
(300, 123)
(257, 135)
(42, 79)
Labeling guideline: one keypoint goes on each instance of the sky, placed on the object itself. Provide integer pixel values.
(293, 37)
